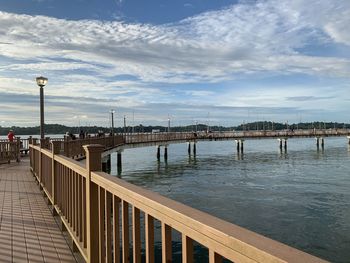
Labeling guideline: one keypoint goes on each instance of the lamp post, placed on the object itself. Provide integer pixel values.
(124, 124)
(168, 124)
(112, 118)
(41, 81)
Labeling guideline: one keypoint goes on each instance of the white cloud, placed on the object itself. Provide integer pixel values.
(210, 47)
(127, 63)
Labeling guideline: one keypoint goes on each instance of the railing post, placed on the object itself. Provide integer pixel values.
(42, 143)
(93, 163)
(18, 149)
(56, 148)
(66, 146)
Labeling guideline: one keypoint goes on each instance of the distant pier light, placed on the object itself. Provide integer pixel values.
(41, 81)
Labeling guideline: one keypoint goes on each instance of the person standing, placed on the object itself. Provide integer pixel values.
(11, 135)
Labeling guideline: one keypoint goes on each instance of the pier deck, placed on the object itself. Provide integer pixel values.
(28, 231)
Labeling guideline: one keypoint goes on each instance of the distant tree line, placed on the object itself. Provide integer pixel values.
(261, 125)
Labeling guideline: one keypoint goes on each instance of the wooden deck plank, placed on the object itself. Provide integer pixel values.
(28, 231)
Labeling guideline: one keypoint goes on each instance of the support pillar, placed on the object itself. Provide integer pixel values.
(242, 142)
(106, 164)
(119, 161)
(348, 139)
(317, 142)
(194, 148)
(166, 152)
(280, 143)
(237, 145)
(285, 144)
(189, 148)
(322, 143)
(158, 152)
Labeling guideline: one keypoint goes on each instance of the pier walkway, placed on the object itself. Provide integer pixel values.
(28, 231)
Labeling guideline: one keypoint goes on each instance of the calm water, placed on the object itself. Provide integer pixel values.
(301, 198)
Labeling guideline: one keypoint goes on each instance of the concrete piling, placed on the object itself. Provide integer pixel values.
(119, 160)
(237, 145)
(166, 152)
(158, 152)
(285, 144)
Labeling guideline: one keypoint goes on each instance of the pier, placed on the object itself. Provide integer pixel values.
(28, 231)
(96, 210)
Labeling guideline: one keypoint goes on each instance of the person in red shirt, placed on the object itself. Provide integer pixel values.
(11, 136)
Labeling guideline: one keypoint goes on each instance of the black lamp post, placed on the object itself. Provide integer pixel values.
(41, 81)
(112, 117)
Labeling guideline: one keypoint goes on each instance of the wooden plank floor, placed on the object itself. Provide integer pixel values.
(28, 231)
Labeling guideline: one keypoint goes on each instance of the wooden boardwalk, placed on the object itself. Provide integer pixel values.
(28, 231)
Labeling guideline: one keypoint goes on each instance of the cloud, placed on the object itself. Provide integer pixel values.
(244, 38)
(138, 65)
(188, 5)
(308, 98)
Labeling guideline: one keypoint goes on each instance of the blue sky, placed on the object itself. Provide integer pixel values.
(224, 62)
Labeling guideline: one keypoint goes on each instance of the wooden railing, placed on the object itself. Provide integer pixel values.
(74, 148)
(95, 208)
(135, 138)
(10, 150)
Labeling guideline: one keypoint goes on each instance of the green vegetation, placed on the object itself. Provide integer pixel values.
(261, 125)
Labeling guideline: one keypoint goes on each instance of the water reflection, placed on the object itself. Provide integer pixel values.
(239, 156)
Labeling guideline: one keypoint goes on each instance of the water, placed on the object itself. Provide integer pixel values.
(301, 198)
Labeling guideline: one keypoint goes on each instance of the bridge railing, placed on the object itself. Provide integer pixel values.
(95, 208)
(10, 150)
(134, 138)
(74, 148)
(158, 137)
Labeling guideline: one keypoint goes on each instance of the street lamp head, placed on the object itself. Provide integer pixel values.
(112, 111)
(41, 81)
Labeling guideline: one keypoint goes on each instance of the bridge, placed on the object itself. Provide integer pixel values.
(96, 210)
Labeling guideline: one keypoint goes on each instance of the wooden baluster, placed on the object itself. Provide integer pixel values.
(214, 257)
(101, 223)
(116, 234)
(64, 188)
(70, 197)
(76, 199)
(84, 216)
(80, 212)
(74, 208)
(187, 249)
(136, 235)
(108, 225)
(125, 231)
(149, 238)
(166, 243)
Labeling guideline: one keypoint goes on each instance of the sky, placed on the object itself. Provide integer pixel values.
(222, 62)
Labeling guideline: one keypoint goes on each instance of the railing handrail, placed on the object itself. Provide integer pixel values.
(235, 243)
(222, 238)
